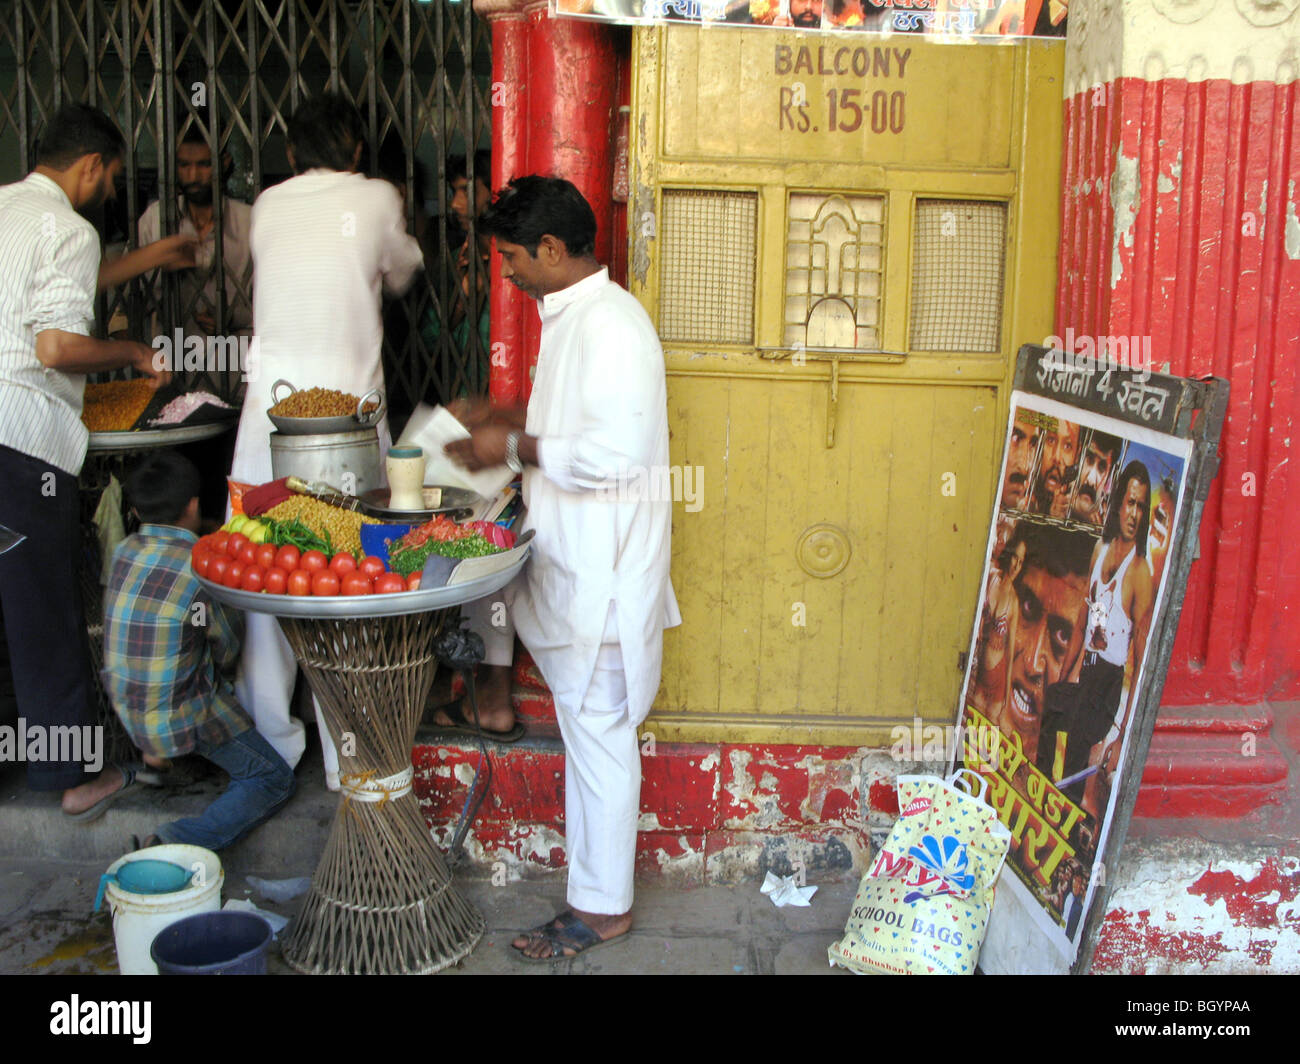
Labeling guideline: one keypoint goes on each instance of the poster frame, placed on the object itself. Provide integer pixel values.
(1188, 409)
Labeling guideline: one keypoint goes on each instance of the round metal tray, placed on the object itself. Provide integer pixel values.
(375, 503)
(144, 439)
(358, 606)
(326, 426)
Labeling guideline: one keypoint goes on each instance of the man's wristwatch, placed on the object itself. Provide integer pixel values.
(512, 453)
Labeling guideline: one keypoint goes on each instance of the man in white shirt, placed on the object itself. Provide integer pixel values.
(197, 220)
(323, 244)
(595, 598)
(49, 264)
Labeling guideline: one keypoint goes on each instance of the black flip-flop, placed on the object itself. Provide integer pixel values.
(572, 933)
(460, 726)
(101, 807)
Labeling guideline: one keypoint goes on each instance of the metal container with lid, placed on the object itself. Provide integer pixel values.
(348, 461)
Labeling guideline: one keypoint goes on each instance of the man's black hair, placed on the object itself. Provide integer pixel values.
(1107, 444)
(160, 486)
(530, 207)
(1135, 470)
(77, 129)
(324, 133)
(457, 168)
(1062, 552)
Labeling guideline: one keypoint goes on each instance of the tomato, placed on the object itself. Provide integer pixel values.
(324, 582)
(201, 562)
(248, 554)
(234, 574)
(235, 544)
(313, 561)
(254, 578)
(371, 565)
(265, 555)
(287, 557)
(343, 563)
(276, 580)
(217, 568)
(387, 583)
(413, 582)
(299, 582)
(356, 584)
(219, 541)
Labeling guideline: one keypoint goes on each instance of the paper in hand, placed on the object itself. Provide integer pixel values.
(432, 428)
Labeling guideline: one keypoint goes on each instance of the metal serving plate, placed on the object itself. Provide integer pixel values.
(144, 439)
(375, 503)
(361, 606)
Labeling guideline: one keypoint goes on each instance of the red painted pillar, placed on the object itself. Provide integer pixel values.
(1180, 224)
(509, 308)
(558, 80)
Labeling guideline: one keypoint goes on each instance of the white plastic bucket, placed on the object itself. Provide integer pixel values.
(137, 918)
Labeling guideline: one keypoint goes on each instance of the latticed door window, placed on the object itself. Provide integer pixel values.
(958, 275)
(706, 288)
(833, 261)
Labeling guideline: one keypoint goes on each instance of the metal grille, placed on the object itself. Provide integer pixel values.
(958, 268)
(419, 73)
(833, 263)
(706, 291)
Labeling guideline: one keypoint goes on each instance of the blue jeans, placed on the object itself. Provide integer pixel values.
(260, 782)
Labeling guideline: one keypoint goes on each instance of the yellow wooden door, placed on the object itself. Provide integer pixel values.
(840, 297)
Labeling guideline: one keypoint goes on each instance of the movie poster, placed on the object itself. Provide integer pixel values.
(1073, 577)
(947, 18)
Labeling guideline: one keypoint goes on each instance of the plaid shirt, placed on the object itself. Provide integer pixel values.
(165, 642)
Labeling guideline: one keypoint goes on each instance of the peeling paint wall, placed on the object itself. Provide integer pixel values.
(1188, 907)
(1125, 195)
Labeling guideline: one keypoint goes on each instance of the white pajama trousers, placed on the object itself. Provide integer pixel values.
(264, 687)
(602, 791)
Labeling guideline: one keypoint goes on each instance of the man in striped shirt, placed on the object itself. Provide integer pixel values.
(49, 264)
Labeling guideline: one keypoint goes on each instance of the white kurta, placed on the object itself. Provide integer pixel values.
(599, 409)
(323, 243)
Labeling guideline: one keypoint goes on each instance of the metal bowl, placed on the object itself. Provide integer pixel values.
(324, 426)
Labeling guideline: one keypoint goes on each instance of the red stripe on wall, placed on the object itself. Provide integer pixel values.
(1204, 272)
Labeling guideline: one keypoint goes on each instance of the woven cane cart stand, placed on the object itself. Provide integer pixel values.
(381, 901)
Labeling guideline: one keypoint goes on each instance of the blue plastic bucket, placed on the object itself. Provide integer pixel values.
(218, 943)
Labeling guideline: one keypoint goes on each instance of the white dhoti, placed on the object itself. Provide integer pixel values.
(264, 687)
(602, 791)
(490, 620)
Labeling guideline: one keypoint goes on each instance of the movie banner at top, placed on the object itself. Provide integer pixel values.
(1074, 575)
(987, 19)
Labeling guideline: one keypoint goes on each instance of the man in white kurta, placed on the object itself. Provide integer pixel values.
(595, 597)
(323, 245)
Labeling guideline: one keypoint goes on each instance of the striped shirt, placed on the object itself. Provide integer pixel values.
(49, 271)
(165, 644)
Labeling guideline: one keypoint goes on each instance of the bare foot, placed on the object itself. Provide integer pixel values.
(536, 944)
(161, 763)
(80, 798)
(495, 711)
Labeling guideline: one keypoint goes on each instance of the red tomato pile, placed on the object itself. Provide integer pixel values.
(232, 560)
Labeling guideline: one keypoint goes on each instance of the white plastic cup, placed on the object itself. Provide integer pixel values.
(405, 478)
